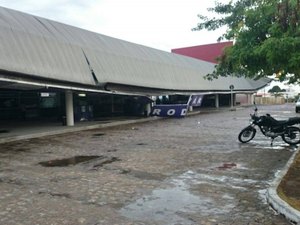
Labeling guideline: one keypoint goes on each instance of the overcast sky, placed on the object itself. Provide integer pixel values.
(161, 24)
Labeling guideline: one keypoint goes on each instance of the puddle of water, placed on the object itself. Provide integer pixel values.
(141, 144)
(170, 205)
(4, 131)
(216, 180)
(98, 135)
(164, 204)
(68, 161)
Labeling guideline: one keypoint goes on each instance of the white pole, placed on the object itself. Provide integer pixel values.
(148, 109)
(69, 108)
(231, 93)
(217, 101)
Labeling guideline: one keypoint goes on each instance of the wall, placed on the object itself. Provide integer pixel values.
(272, 100)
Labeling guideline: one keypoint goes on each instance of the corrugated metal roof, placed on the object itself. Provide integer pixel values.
(46, 49)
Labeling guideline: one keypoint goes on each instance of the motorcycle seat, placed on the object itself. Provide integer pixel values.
(289, 121)
(293, 120)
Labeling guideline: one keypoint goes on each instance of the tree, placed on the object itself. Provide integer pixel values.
(275, 89)
(266, 36)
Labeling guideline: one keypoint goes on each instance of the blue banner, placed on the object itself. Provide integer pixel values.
(178, 110)
(195, 100)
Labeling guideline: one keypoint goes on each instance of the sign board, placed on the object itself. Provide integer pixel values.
(178, 110)
(195, 100)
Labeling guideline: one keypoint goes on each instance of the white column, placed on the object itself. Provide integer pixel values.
(217, 100)
(231, 99)
(148, 109)
(249, 99)
(69, 108)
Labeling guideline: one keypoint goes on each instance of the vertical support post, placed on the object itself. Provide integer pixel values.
(249, 98)
(231, 87)
(231, 99)
(112, 104)
(148, 109)
(217, 101)
(69, 108)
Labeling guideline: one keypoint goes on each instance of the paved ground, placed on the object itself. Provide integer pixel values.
(173, 171)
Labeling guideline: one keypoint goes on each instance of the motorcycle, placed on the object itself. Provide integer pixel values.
(270, 127)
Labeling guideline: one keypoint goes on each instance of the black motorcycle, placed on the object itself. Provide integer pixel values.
(272, 128)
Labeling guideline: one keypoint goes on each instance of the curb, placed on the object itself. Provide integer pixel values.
(276, 202)
(74, 129)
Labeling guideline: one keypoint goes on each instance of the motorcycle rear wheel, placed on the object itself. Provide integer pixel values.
(247, 134)
(291, 135)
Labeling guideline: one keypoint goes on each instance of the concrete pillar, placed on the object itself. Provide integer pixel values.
(231, 99)
(148, 109)
(249, 98)
(217, 101)
(69, 108)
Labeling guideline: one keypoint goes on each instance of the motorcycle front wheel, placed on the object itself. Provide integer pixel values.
(291, 135)
(247, 134)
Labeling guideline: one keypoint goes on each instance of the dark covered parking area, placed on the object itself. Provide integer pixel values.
(49, 105)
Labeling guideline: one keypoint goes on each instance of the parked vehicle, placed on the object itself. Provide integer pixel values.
(297, 107)
(272, 128)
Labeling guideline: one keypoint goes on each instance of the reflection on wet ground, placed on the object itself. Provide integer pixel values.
(177, 204)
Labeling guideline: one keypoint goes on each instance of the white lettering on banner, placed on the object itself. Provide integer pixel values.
(197, 101)
(183, 112)
(156, 112)
(171, 112)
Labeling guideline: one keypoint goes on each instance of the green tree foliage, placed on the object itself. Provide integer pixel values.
(275, 89)
(266, 36)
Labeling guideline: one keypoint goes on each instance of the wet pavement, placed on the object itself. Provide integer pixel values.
(173, 171)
